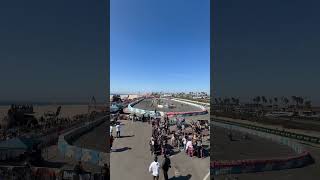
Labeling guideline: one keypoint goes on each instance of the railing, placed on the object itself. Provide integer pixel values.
(300, 137)
(303, 158)
(191, 113)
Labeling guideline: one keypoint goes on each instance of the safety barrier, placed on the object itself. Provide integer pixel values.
(190, 103)
(248, 166)
(300, 137)
(152, 113)
(303, 158)
(78, 153)
(191, 113)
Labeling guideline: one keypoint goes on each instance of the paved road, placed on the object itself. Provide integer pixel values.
(260, 148)
(131, 157)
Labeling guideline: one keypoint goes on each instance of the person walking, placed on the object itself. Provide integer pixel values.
(154, 168)
(165, 166)
(118, 130)
(111, 129)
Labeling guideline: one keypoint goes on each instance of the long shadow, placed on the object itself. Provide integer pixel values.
(187, 177)
(175, 152)
(121, 149)
(126, 136)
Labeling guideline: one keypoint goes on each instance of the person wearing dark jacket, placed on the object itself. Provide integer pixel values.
(165, 166)
(111, 142)
(106, 172)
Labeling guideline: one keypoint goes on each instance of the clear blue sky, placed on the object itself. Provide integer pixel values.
(268, 48)
(159, 45)
(53, 50)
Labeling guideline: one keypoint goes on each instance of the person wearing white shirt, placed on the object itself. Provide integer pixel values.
(118, 130)
(189, 144)
(184, 141)
(154, 168)
(111, 130)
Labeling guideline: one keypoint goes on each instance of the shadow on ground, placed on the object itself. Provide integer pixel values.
(187, 177)
(126, 136)
(121, 149)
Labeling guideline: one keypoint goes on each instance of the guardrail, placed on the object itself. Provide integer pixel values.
(195, 102)
(78, 153)
(248, 166)
(303, 158)
(191, 113)
(300, 137)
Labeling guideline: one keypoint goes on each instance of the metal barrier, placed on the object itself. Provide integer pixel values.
(300, 137)
(191, 113)
(244, 166)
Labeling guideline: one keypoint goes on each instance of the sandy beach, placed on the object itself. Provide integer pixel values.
(39, 110)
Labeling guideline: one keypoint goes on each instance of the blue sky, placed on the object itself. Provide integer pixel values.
(53, 50)
(159, 45)
(268, 48)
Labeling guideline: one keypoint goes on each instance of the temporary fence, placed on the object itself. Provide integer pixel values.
(303, 158)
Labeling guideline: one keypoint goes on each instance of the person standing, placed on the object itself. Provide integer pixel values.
(188, 145)
(199, 147)
(111, 129)
(118, 130)
(154, 168)
(111, 142)
(151, 143)
(165, 166)
(184, 141)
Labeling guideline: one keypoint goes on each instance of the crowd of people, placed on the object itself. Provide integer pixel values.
(27, 108)
(41, 126)
(167, 138)
(180, 138)
(186, 137)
